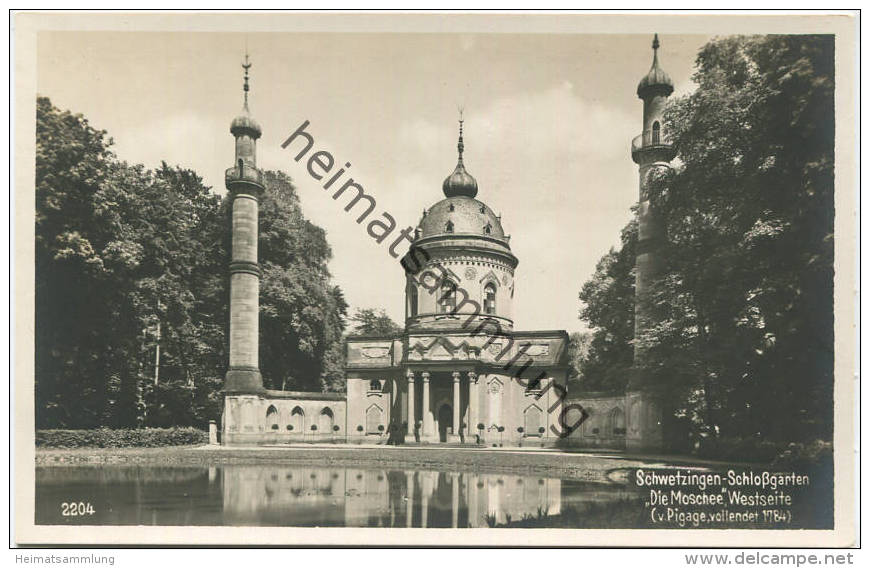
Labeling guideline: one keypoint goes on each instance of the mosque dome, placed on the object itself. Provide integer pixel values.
(656, 81)
(460, 213)
(461, 216)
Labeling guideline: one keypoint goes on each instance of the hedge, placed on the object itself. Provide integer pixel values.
(121, 438)
(752, 449)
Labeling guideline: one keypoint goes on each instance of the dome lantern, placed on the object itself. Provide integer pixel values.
(460, 182)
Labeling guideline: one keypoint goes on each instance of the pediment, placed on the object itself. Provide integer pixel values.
(441, 349)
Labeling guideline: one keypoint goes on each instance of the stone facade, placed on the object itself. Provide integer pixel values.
(281, 417)
(442, 387)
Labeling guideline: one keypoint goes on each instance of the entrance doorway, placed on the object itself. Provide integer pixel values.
(445, 421)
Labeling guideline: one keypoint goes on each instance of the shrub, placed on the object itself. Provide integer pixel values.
(359, 428)
(541, 430)
(335, 428)
(313, 427)
(501, 428)
(289, 427)
(753, 449)
(120, 438)
(805, 455)
(520, 429)
(380, 427)
(274, 426)
(480, 426)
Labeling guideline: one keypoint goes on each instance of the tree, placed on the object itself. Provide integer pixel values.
(302, 314)
(744, 346)
(72, 163)
(749, 215)
(129, 261)
(608, 308)
(578, 351)
(370, 321)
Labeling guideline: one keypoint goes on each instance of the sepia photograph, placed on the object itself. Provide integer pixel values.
(386, 279)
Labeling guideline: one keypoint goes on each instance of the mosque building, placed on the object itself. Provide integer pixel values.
(459, 373)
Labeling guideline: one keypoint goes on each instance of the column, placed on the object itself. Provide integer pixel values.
(473, 499)
(426, 490)
(409, 505)
(411, 419)
(454, 483)
(473, 405)
(457, 425)
(426, 430)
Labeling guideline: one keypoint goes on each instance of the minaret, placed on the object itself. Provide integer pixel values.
(651, 151)
(245, 184)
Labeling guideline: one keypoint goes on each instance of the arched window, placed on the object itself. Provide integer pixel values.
(489, 298)
(487, 229)
(373, 419)
(326, 420)
(272, 417)
(449, 227)
(617, 422)
(297, 420)
(374, 385)
(447, 298)
(451, 208)
(532, 421)
(412, 301)
(656, 133)
(535, 384)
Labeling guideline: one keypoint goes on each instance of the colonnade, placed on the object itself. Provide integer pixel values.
(427, 430)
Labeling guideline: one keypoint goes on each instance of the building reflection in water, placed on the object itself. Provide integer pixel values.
(379, 498)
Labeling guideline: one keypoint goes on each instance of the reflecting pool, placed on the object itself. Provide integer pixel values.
(300, 496)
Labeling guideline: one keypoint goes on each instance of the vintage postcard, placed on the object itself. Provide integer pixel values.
(435, 279)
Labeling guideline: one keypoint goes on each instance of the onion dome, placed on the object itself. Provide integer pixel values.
(460, 182)
(656, 82)
(245, 123)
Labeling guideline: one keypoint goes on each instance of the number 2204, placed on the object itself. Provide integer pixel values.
(76, 509)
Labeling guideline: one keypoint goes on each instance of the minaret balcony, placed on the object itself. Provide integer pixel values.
(652, 146)
(244, 175)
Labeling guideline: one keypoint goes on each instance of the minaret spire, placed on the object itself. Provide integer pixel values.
(246, 65)
(460, 146)
(460, 181)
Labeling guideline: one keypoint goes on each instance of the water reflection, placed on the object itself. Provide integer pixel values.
(381, 498)
(305, 496)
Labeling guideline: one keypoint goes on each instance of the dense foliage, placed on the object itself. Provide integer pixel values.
(745, 344)
(369, 321)
(608, 308)
(129, 259)
(120, 438)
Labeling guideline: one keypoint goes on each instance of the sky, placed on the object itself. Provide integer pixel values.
(549, 120)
